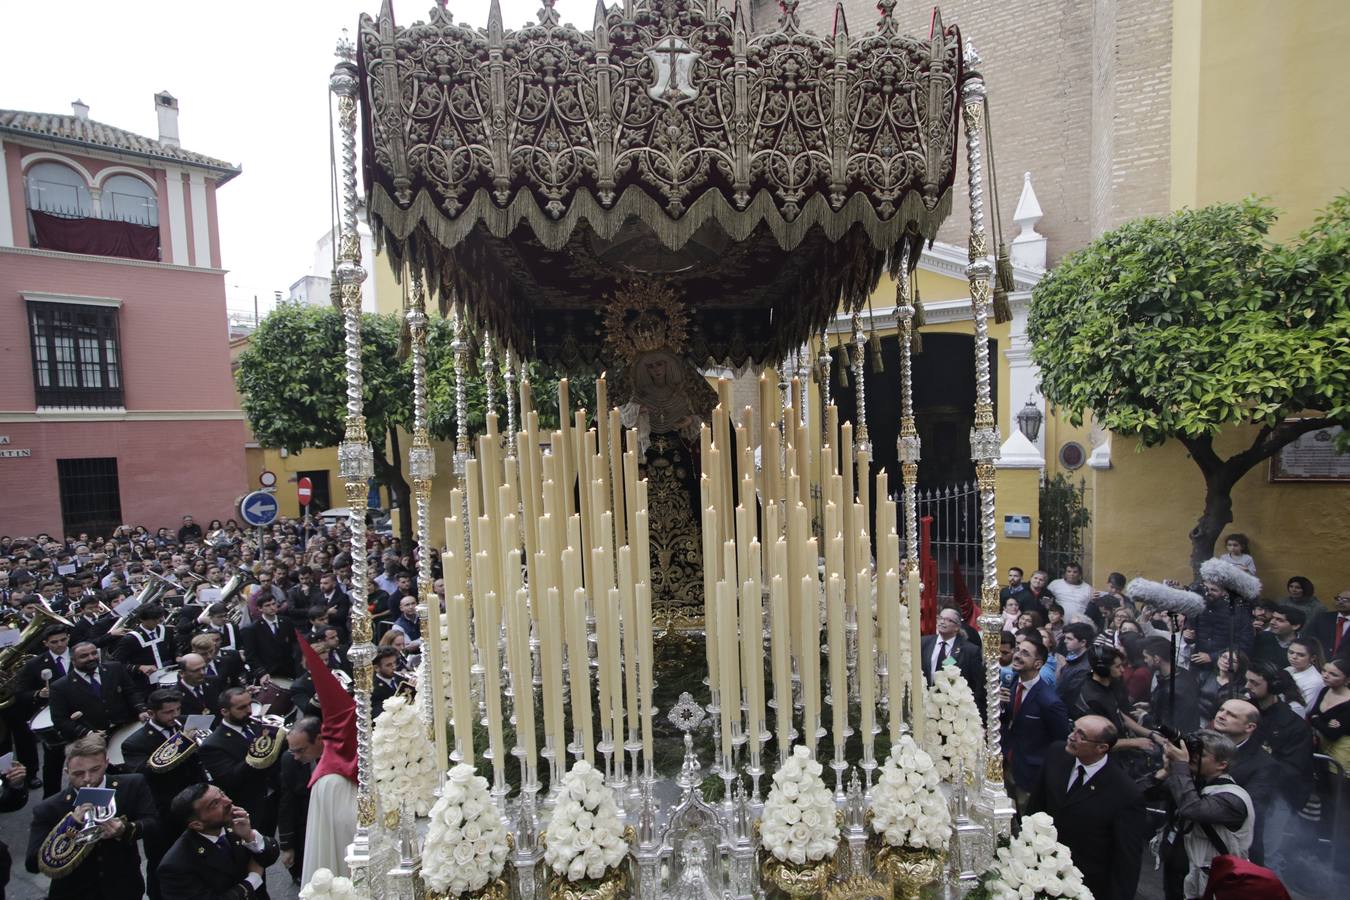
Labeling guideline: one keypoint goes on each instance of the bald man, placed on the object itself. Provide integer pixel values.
(201, 692)
(1098, 810)
(1254, 769)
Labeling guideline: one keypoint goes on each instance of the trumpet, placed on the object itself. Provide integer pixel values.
(70, 840)
(94, 817)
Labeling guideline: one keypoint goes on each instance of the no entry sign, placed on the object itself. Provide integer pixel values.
(304, 490)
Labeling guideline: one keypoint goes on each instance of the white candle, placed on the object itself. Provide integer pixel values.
(916, 683)
(644, 602)
(782, 663)
(726, 620)
(434, 643)
(809, 662)
(460, 664)
(834, 617)
(522, 676)
(867, 689)
(579, 663)
(492, 683)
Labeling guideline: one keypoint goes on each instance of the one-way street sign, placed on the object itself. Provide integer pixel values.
(259, 508)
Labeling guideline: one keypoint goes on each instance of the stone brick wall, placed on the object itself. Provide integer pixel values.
(1078, 96)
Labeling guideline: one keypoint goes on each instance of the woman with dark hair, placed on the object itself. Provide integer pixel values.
(1302, 595)
(1305, 667)
(1329, 714)
(1226, 681)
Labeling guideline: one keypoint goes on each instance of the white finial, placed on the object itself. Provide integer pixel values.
(1028, 248)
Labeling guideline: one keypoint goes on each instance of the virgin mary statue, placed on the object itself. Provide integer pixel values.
(667, 402)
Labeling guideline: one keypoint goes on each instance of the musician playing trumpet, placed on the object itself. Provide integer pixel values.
(34, 694)
(108, 867)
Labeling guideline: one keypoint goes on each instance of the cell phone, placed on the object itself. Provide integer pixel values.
(6, 763)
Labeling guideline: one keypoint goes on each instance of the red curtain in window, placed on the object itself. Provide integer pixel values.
(99, 237)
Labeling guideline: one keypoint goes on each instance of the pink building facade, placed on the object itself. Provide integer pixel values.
(118, 404)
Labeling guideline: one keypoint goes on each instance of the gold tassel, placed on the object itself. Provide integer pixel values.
(916, 343)
(874, 353)
(1003, 285)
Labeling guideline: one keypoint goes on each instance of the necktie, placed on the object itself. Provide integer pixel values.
(1340, 633)
(95, 686)
(248, 733)
(1017, 699)
(58, 667)
(223, 842)
(1078, 779)
(211, 669)
(942, 652)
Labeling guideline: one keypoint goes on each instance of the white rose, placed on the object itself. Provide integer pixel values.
(576, 869)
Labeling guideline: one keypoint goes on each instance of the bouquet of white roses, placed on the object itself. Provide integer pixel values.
(405, 760)
(1035, 865)
(584, 837)
(799, 824)
(324, 885)
(466, 842)
(954, 733)
(908, 808)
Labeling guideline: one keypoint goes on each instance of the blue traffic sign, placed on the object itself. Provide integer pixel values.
(259, 508)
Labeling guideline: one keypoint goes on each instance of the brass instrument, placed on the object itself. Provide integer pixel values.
(268, 743)
(12, 658)
(231, 595)
(156, 586)
(70, 840)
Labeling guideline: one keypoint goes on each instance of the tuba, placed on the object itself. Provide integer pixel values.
(268, 743)
(70, 840)
(12, 658)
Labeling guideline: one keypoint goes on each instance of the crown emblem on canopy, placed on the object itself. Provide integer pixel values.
(645, 316)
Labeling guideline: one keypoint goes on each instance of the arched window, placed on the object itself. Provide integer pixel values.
(58, 189)
(128, 199)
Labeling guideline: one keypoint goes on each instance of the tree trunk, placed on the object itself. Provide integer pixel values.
(1218, 514)
(393, 477)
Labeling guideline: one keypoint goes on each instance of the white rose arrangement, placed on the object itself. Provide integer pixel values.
(584, 837)
(405, 761)
(466, 843)
(908, 808)
(1035, 865)
(954, 734)
(324, 885)
(798, 825)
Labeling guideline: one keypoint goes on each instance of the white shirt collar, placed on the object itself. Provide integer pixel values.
(1091, 770)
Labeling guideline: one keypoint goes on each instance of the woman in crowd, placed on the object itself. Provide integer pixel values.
(1011, 611)
(1305, 666)
(1029, 619)
(399, 641)
(1055, 622)
(1226, 681)
(1329, 714)
(1237, 551)
(1302, 595)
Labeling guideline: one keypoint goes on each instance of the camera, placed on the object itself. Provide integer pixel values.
(1191, 741)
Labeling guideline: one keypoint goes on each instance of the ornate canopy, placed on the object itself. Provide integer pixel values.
(767, 177)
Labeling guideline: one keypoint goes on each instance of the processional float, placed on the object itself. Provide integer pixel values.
(665, 193)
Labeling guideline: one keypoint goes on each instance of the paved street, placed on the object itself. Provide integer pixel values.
(25, 886)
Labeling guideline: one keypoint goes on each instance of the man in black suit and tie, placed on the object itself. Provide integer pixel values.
(1033, 718)
(148, 647)
(220, 856)
(267, 642)
(166, 779)
(225, 755)
(200, 692)
(226, 665)
(1333, 628)
(1097, 808)
(94, 624)
(94, 697)
(335, 600)
(950, 643)
(112, 870)
(33, 694)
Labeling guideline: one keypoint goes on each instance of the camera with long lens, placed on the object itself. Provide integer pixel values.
(1191, 741)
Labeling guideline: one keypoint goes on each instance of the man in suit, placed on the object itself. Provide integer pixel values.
(225, 753)
(293, 805)
(267, 643)
(33, 693)
(94, 624)
(221, 855)
(94, 697)
(1333, 628)
(112, 869)
(226, 665)
(1098, 810)
(387, 682)
(1033, 718)
(229, 633)
(166, 781)
(335, 600)
(950, 643)
(1069, 677)
(1255, 770)
(200, 692)
(148, 647)
(1272, 645)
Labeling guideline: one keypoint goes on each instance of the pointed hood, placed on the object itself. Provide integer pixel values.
(339, 719)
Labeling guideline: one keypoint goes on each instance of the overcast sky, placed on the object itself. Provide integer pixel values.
(251, 80)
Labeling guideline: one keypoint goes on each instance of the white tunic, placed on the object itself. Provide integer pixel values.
(330, 826)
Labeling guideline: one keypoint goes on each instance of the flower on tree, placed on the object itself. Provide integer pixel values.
(584, 837)
(466, 842)
(908, 808)
(404, 759)
(798, 825)
(1035, 865)
(954, 734)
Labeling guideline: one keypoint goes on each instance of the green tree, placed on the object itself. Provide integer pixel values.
(1178, 327)
(293, 382)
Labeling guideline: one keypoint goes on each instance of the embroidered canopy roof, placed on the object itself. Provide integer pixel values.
(767, 177)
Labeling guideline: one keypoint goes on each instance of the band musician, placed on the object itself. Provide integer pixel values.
(221, 855)
(94, 697)
(242, 757)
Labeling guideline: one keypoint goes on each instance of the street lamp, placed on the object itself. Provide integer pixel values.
(1029, 420)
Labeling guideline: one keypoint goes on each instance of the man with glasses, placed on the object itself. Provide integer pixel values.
(1098, 810)
(1332, 628)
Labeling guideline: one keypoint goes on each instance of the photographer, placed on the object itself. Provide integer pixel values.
(1212, 814)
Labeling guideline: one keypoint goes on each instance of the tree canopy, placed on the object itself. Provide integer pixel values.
(1177, 327)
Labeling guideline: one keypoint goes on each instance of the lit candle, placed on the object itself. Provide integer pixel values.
(460, 664)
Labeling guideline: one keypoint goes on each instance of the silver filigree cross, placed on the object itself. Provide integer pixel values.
(673, 61)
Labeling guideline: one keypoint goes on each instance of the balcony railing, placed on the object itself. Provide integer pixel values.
(81, 231)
